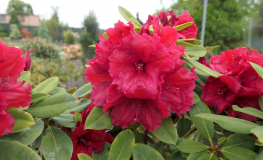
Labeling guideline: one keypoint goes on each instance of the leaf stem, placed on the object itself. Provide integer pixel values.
(261, 149)
(145, 136)
(190, 131)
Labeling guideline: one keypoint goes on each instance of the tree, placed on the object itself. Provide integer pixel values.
(19, 6)
(14, 19)
(15, 33)
(53, 24)
(89, 36)
(43, 31)
(68, 37)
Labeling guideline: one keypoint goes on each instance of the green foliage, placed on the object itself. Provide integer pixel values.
(68, 37)
(19, 6)
(15, 33)
(43, 32)
(53, 25)
(3, 33)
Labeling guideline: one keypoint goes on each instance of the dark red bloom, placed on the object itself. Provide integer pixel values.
(136, 66)
(6, 119)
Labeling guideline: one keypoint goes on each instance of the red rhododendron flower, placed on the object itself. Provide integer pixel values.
(131, 70)
(243, 86)
(6, 119)
(28, 61)
(88, 140)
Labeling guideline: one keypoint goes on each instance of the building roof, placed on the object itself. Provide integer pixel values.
(24, 19)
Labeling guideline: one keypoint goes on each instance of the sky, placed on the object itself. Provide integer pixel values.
(73, 12)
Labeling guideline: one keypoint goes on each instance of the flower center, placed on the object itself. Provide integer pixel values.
(83, 141)
(4, 82)
(136, 106)
(139, 66)
(222, 90)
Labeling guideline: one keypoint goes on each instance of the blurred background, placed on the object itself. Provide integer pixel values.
(58, 33)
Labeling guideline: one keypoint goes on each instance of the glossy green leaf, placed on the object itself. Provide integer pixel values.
(121, 148)
(189, 146)
(126, 14)
(38, 97)
(102, 155)
(197, 51)
(79, 105)
(97, 119)
(28, 136)
(138, 137)
(37, 142)
(208, 157)
(258, 69)
(196, 98)
(57, 90)
(205, 127)
(77, 117)
(260, 101)
(229, 123)
(221, 140)
(195, 156)
(240, 140)
(135, 23)
(46, 86)
(12, 150)
(159, 146)
(166, 132)
(52, 106)
(65, 119)
(249, 110)
(105, 35)
(202, 67)
(22, 119)
(56, 145)
(25, 76)
(83, 156)
(92, 46)
(184, 44)
(183, 26)
(106, 145)
(190, 40)
(82, 91)
(258, 131)
(239, 153)
(144, 152)
(177, 156)
(260, 156)
(210, 48)
(183, 126)
(72, 90)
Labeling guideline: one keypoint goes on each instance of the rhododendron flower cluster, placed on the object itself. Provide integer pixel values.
(12, 92)
(88, 140)
(139, 76)
(239, 85)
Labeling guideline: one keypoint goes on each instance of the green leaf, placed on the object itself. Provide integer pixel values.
(135, 23)
(230, 123)
(93, 46)
(106, 145)
(221, 140)
(249, 110)
(102, 155)
(197, 51)
(205, 127)
(105, 35)
(240, 140)
(260, 101)
(258, 131)
(177, 156)
(77, 117)
(144, 152)
(239, 153)
(83, 156)
(57, 90)
(190, 40)
(184, 44)
(12, 150)
(138, 137)
(37, 142)
(196, 98)
(72, 90)
(189, 146)
(46, 86)
(208, 157)
(166, 132)
(202, 67)
(126, 14)
(56, 145)
(97, 119)
(79, 105)
(260, 156)
(257, 68)
(195, 156)
(208, 48)
(38, 97)
(183, 26)
(65, 119)
(22, 119)
(121, 148)
(82, 91)
(183, 126)
(28, 136)
(52, 106)
(159, 146)
(25, 76)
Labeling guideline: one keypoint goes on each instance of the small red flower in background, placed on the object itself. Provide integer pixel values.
(88, 140)
(240, 85)
(137, 75)
(12, 92)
